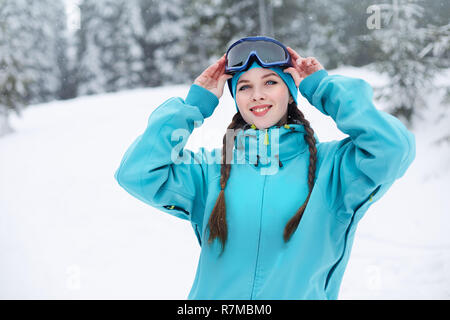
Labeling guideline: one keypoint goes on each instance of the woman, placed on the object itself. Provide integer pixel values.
(276, 215)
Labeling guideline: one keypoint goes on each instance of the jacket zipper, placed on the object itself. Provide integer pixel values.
(333, 268)
(173, 207)
(266, 139)
(259, 243)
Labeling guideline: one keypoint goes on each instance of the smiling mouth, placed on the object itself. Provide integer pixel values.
(260, 112)
(260, 109)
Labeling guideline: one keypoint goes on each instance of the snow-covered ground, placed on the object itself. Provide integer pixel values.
(68, 231)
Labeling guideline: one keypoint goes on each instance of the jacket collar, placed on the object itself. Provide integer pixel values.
(264, 146)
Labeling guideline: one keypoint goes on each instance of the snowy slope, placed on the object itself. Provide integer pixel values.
(68, 231)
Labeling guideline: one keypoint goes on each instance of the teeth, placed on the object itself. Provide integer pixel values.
(260, 109)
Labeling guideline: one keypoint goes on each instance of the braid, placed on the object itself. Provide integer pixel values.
(293, 223)
(217, 221)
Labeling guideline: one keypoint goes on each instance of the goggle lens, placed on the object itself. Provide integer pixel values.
(267, 52)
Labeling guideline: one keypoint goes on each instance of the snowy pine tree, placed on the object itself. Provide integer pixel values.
(33, 31)
(210, 26)
(12, 77)
(437, 52)
(324, 31)
(41, 26)
(28, 53)
(410, 74)
(438, 45)
(158, 32)
(89, 75)
(119, 52)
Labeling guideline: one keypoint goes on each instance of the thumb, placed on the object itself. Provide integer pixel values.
(295, 75)
(223, 78)
(220, 84)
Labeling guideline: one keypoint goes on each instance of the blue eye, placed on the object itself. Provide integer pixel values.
(242, 88)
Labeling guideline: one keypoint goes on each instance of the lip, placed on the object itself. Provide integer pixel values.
(260, 106)
(260, 114)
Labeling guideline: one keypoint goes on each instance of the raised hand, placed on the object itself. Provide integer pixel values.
(302, 67)
(213, 78)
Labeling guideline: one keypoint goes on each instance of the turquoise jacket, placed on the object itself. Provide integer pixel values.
(264, 192)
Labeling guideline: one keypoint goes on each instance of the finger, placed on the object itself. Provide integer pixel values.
(218, 72)
(295, 75)
(301, 71)
(290, 71)
(296, 61)
(221, 83)
(294, 54)
(212, 69)
(222, 64)
(315, 61)
(220, 67)
(222, 79)
(215, 73)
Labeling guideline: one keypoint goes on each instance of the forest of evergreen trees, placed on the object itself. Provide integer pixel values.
(125, 44)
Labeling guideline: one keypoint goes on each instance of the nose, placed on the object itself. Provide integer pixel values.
(258, 94)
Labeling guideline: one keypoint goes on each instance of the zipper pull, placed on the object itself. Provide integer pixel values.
(266, 139)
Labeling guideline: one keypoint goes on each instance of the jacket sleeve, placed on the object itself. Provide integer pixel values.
(378, 150)
(158, 170)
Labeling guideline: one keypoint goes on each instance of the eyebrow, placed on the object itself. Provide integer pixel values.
(265, 76)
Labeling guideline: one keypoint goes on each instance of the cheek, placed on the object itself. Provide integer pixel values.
(241, 100)
(282, 96)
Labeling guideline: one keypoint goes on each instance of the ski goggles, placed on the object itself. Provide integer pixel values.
(269, 53)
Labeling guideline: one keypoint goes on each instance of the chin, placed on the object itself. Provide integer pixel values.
(264, 123)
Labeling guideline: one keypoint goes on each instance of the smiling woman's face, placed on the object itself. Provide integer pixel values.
(262, 87)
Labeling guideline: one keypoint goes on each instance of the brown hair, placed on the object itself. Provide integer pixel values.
(217, 223)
